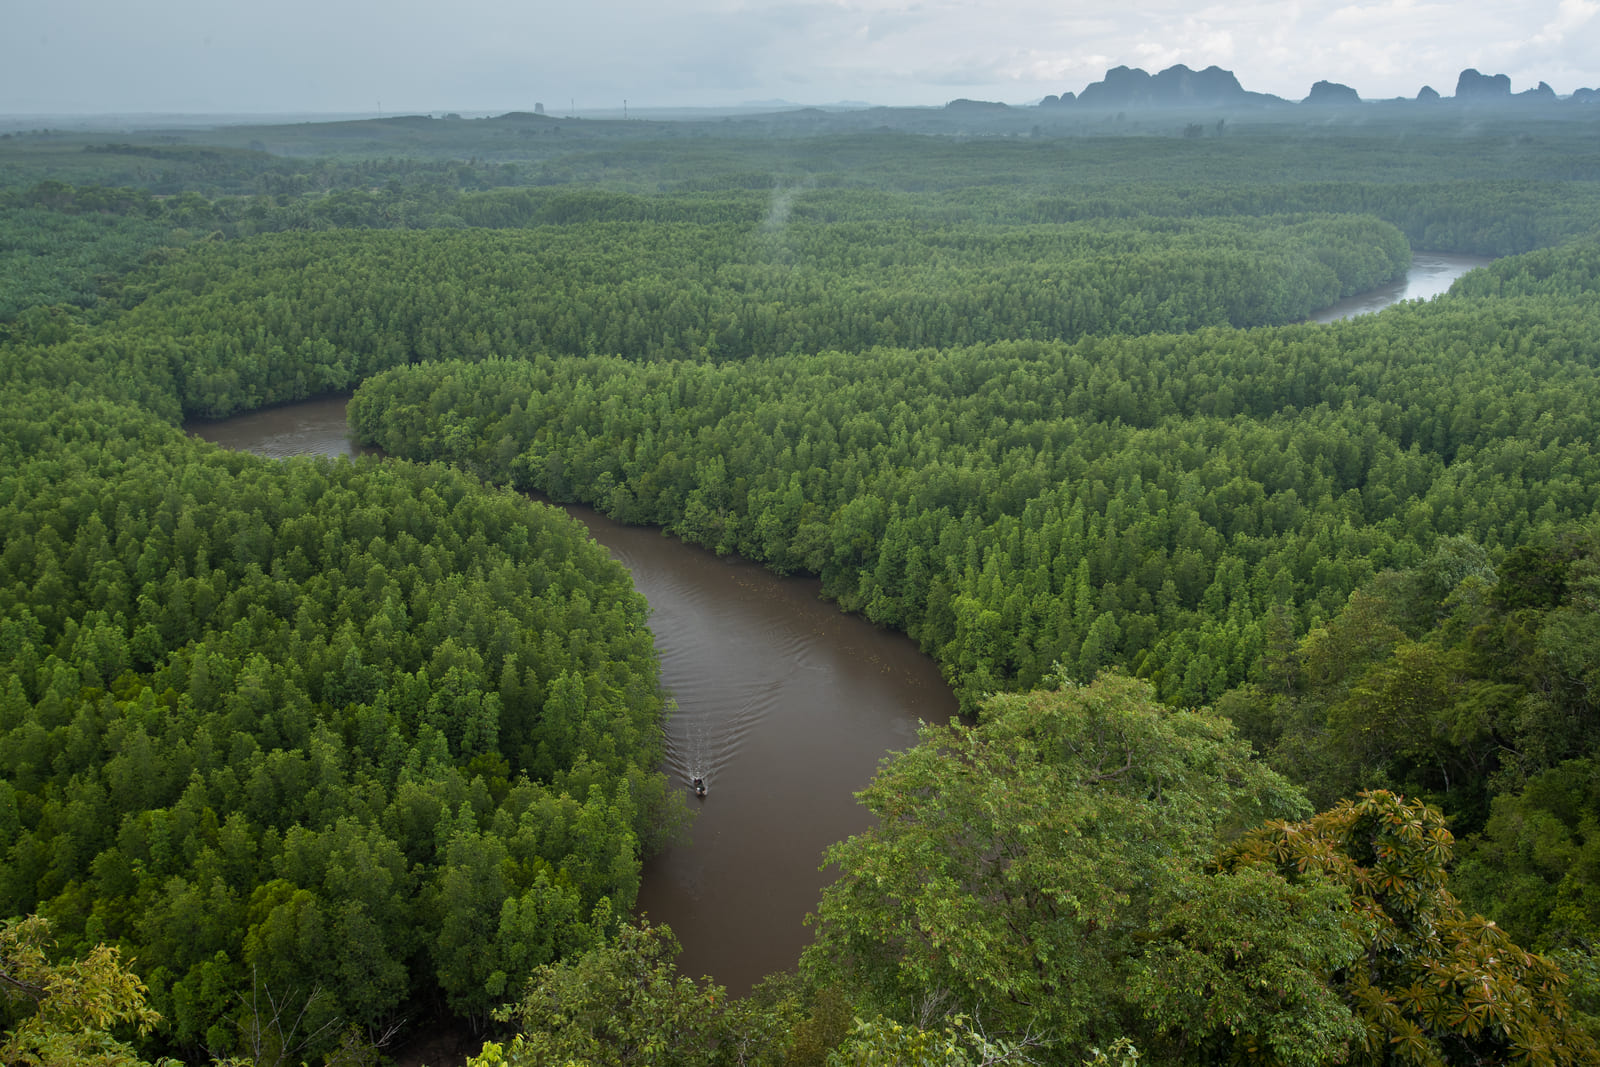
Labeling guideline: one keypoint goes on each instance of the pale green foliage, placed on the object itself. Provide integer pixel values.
(1122, 1053)
(69, 1010)
(886, 1043)
(1433, 985)
(622, 1002)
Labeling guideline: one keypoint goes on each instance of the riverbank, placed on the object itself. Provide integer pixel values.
(1431, 274)
(783, 703)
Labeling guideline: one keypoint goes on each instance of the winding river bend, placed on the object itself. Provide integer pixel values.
(784, 704)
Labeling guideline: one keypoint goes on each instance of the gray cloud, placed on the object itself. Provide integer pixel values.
(347, 55)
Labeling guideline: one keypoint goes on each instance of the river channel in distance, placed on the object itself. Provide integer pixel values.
(1431, 274)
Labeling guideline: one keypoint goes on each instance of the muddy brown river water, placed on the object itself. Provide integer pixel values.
(785, 706)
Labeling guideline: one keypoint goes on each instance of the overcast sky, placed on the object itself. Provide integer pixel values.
(226, 56)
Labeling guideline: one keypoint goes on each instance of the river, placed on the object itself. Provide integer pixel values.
(1431, 274)
(784, 704)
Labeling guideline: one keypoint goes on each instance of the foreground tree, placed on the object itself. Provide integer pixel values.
(885, 1043)
(1045, 873)
(1433, 984)
(623, 1002)
(67, 1014)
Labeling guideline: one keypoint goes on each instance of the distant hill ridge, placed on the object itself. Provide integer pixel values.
(1178, 86)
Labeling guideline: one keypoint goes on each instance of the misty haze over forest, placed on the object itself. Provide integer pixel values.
(365, 57)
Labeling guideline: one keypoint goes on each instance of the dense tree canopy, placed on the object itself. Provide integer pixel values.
(1029, 868)
(1035, 396)
(254, 708)
(1153, 501)
(1433, 984)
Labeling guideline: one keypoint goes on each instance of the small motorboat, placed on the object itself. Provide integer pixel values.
(699, 787)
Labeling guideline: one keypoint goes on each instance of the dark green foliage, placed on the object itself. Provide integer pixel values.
(1158, 502)
(255, 709)
(987, 388)
(1453, 683)
(1537, 862)
(1472, 689)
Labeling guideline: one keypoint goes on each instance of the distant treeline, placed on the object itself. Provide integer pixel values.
(235, 325)
(66, 244)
